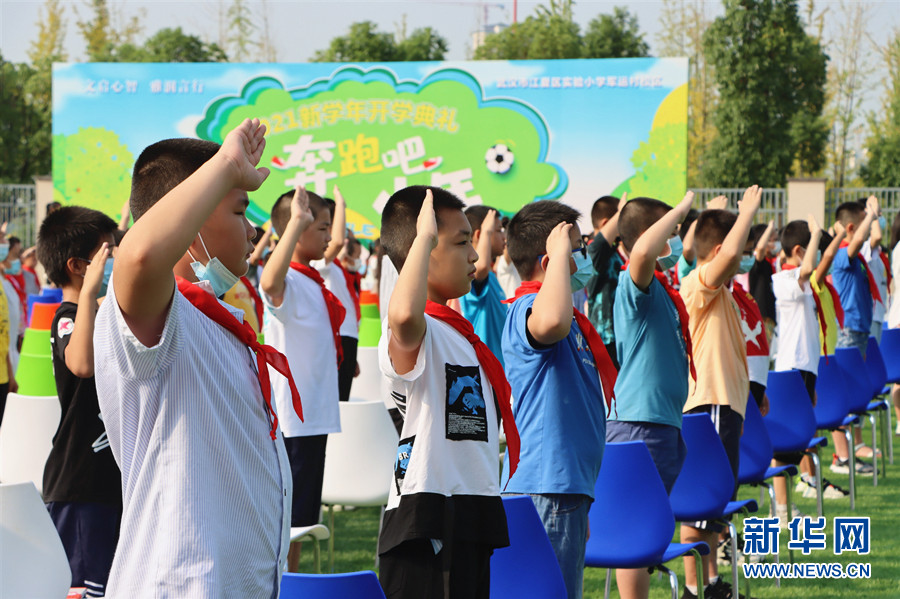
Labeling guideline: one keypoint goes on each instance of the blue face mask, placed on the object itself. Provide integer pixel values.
(747, 263)
(107, 273)
(213, 272)
(584, 272)
(15, 267)
(671, 259)
(4, 251)
(882, 222)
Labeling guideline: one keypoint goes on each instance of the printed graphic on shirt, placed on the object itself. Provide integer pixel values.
(404, 451)
(466, 410)
(400, 402)
(65, 327)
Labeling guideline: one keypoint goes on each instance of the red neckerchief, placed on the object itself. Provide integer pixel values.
(748, 305)
(257, 302)
(336, 310)
(835, 299)
(19, 285)
(683, 319)
(492, 368)
(873, 288)
(820, 312)
(265, 354)
(604, 364)
(37, 279)
(350, 280)
(887, 267)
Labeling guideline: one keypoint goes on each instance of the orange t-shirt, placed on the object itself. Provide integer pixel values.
(720, 351)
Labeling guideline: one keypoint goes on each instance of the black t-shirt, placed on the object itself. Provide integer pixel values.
(81, 466)
(760, 279)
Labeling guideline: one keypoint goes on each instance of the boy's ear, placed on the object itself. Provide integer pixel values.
(74, 266)
(476, 235)
(544, 261)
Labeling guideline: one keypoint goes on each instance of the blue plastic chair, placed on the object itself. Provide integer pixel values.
(358, 585)
(890, 352)
(756, 467)
(704, 488)
(878, 376)
(528, 567)
(859, 394)
(791, 422)
(832, 412)
(629, 496)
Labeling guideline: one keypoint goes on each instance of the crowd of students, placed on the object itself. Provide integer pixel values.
(187, 448)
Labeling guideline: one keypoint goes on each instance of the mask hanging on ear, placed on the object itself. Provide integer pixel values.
(15, 267)
(747, 263)
(4, 251)
(214, 272)
(583, 274)
(675, 250)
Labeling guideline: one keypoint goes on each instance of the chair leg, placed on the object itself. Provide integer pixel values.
(316, 556)
(608, 583)
(820, 508)
(790, 509)
(885, 451)
(874, 450)
(331, 538)
(889, 434)
(698, 562)
(848, 434)
(771, 491)
(735, 579)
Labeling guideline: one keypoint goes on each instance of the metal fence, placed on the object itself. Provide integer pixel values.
(888, 199)
(17, 209)
(773, 205)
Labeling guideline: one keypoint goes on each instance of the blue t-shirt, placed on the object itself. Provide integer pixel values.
(558, 407)
(483, 306)
(852, 286)
(652, 385)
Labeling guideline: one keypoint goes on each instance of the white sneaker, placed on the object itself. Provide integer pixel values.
(782, 515)
(839, 466)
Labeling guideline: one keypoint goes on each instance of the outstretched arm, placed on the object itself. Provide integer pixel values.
(271, 281)
(143, 279)
(723, 266)
(762, 246)
(551, 314)
(406, 312)
(828, 257)
(809, 259)
(611, 229)
(338, 227)
(650, 245)
(485, 241)
(862, 232)
(79, 353)
(256, 256)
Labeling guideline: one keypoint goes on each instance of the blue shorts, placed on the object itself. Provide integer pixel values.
(851, 338)
(89, 533)
(565, 518)
(666, 446)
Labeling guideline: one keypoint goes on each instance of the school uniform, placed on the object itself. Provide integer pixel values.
(206, 484)
(483, 306)
(851, 279)
(337, 281)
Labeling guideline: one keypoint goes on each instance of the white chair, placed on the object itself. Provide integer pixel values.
(314, 533)
(26, 437)
(359, 460)
(370, 384)
(33, 563)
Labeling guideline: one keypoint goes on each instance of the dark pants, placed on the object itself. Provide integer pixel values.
(348, 367)
(4, 391)
(730, 426)
(307, 458)
(89, 533)
(411, 570)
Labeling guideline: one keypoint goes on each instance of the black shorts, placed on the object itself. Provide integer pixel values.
(809, 381)
(758, 391)
(307, 458)
(89, 533)
(730, 425)
(411, 570)
(347, 369)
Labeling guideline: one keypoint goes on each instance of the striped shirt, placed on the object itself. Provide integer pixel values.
(206, 492)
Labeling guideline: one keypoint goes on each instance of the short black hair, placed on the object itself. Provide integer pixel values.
(850, 212)
(13, 241)
(637, 216)
(604, 207)
(756, 232)
(400, 214)
(528, 231)
(476, 215)
(163, 166)
(824, 241)
(281, 209)
(70, 232)
(712, 229)
(793, 234)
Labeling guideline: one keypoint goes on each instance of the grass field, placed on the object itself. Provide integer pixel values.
(356, 533)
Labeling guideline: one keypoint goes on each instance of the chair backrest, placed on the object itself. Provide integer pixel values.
(890, 353)
(629, 496)
(831, 391)
(756, 447)
(875, 366)
(26, 437)
(371, 385)
(359, 460)
(355, 585)
(706, 483)
(790, 422)
(528, 567)
(856, 378)
(33, 561)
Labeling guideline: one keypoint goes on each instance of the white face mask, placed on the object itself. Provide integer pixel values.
(214, 272)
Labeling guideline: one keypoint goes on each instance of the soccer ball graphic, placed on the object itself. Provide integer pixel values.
(499, 159)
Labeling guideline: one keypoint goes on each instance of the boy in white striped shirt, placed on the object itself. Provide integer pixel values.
(205, 479)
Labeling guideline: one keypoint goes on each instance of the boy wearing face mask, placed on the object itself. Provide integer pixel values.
(653, 346)
(303, 320)
(82, 484)
(562, 380)
(12, 270)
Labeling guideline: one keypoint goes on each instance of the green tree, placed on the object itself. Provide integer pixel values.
(615, 36)
(767, 69)
(242, 31)
(363, 43)
(551, 33)
(883, 144)
(422, 44)
(173, 45)
(20, 122)
(104, 41)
